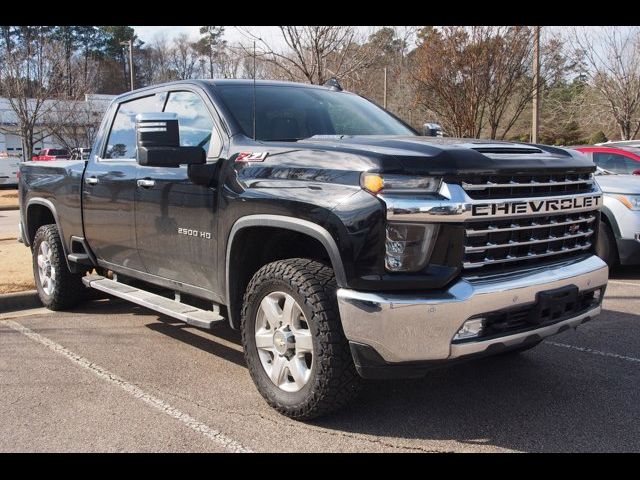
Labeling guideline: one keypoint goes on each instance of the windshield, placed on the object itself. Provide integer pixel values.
(290, 113)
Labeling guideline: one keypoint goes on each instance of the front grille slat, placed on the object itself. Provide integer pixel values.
(510, 244)
(534, 184)
(515, 227)
(502, 242)
(526, 186)
(529, 256)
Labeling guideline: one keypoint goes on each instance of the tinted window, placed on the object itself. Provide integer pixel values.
(58, 152)
(194, 120)
(122, 139)
(616, 163)
(292, 113)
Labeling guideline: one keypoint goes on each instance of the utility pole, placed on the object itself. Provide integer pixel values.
(129, 43)
(535, 121)
(384, 103)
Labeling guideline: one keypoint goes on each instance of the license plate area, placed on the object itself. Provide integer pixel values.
(552, 305)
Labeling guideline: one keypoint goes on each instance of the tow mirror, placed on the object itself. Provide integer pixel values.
(158, 142)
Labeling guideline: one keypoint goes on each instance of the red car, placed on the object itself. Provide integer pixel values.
(621, 160)
(47, 154)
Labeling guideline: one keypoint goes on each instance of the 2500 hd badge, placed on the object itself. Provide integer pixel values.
(534, 206)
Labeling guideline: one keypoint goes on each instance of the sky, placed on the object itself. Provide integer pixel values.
(232, 34)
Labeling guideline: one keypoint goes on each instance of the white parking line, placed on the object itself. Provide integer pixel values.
(625, 283)
(215, 435)
(594, 352)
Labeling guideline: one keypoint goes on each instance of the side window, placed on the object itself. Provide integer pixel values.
(196, 124)
(122, 138)
(615, 163)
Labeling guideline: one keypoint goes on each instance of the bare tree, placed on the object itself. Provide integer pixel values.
(314, 53)
(183, 57)
(33, 79)
(613, 55)
(450, 70)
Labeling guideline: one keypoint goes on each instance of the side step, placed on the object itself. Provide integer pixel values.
(187, 313)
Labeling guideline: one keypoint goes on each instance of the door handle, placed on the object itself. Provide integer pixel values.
(91, 180)
(146, 183)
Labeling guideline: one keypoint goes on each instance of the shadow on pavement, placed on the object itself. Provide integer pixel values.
(627, 272)
(548, 399)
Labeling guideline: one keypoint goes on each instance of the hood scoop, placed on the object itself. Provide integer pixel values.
(507, 150)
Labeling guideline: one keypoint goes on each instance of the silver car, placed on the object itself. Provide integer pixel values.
(619, 237)
(9, 170)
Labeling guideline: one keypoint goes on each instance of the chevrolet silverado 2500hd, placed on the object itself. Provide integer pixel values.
(339, 242)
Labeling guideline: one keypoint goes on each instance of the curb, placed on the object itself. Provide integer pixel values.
(10, 302)
(9, 207)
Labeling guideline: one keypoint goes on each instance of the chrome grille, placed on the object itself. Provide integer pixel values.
(503, 243)
(525, 186)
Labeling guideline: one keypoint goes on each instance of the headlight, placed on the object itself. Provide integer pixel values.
(632, 202)
(376, 182)
(409, 246)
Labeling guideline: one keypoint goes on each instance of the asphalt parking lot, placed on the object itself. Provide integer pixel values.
(111, 376)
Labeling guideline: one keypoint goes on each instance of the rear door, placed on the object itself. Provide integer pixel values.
(109, 188)
(176, 219)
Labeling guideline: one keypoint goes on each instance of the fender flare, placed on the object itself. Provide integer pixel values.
(606, 212)
(288, 223)
(52, 208)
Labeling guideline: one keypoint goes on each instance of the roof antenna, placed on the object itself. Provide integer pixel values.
(254, 90)
(333, 84)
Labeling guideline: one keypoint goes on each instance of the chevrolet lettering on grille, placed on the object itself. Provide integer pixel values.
(534, 206)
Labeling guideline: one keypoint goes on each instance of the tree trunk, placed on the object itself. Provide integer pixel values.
(27, 144)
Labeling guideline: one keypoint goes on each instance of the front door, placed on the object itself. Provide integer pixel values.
(109, 188)
(175, 219)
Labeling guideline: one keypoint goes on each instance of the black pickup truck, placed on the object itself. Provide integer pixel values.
(339, 242)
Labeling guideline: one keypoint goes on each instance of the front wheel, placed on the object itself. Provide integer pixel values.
(293, 341)
(606, 245)
(58, 288)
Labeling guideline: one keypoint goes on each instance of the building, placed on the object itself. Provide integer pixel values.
(80, 124)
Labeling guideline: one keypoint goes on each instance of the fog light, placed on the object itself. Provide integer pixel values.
(409, 246)
(597, 295)
(471, 328)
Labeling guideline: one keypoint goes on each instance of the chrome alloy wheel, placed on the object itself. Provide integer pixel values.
(284, 341)
(46, 271)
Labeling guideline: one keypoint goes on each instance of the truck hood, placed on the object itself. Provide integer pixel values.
(419, 155)
(619, 183)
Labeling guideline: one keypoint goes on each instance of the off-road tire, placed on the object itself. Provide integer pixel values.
(68, 289)
(334, 381)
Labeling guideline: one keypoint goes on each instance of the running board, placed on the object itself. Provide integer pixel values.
(187, 313)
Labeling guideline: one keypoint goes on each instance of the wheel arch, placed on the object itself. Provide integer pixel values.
(39, 212)
(320, 245)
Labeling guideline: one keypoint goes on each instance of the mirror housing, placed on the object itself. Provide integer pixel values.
(158, 142)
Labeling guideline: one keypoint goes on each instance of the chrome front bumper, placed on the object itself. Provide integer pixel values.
(406, 328)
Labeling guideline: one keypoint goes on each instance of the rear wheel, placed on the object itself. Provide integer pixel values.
(606, 245)
(293, 341)
(58, 288)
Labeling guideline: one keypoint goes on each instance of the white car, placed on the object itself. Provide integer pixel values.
(8, 170)
(619, 232)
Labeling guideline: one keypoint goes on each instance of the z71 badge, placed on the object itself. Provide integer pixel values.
(194, 233)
